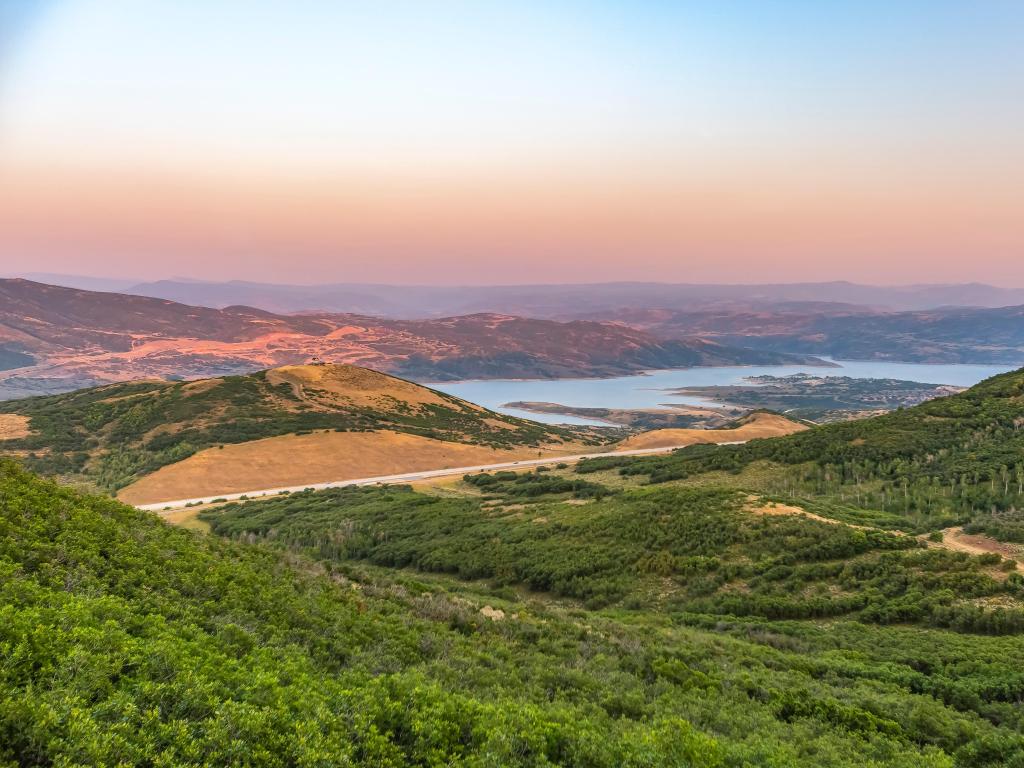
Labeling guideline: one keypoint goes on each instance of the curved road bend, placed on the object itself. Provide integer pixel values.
(408, 477)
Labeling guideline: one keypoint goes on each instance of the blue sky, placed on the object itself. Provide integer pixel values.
(691, 117)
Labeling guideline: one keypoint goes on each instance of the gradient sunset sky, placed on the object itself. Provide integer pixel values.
(513, 142)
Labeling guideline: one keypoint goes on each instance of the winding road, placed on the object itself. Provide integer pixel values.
(408, 477)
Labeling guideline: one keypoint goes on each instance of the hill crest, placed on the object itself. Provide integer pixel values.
(111, 436)
(336, 384)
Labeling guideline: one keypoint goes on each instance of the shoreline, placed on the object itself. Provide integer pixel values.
(836, 364)
(649, 372)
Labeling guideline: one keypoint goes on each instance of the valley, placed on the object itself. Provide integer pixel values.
(511, 385)
(111, 436)
(799, 599)
(294, 426)
(685, 578)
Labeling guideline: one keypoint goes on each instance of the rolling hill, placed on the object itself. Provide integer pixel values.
(751, 427)
(55, 339)
(338, 418)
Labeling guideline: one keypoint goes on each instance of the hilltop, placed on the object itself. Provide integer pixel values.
(112, 436)
(55, 339)
(751, 427)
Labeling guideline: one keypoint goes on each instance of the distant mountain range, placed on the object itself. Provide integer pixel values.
(545, 301)
(947, 335)
(55, 339)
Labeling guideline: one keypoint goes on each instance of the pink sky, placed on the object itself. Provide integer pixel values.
(514, 145)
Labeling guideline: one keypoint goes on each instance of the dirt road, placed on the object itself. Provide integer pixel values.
(408, 477)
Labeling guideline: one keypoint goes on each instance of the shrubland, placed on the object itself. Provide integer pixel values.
(786, 602)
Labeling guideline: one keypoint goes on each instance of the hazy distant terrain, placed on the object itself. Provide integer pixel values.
(946, 335)
(62, 339)
(822, 398)
(557, 301)
(55, 339)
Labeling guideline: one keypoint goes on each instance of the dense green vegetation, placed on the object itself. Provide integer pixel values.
(114, 434)
(634, 612)
(676, 549)
(534, 484)
(127, 642)
(952, 460)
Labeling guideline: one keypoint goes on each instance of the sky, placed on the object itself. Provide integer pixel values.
(433, 141)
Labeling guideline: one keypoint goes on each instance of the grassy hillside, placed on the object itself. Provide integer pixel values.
(951, 461)
(709, 608)
(114, 434)
(129, 642)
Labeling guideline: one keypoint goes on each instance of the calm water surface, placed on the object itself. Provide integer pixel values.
(648, 390)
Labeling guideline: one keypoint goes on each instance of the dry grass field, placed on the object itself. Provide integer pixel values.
(334, 385)
(13, 426)
(757, 425)
(291, 460)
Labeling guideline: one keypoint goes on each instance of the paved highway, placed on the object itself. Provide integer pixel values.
(408, 477)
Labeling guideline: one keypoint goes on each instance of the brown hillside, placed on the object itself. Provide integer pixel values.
(754, 426)
(158, 423)
(293, 460)
(350, 385)
(13, 426)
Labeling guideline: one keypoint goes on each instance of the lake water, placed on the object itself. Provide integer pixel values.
(648, 390)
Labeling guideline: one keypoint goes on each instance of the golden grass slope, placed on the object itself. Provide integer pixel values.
(334, 385)
(754, 426)
(13, 426)
(321, 457)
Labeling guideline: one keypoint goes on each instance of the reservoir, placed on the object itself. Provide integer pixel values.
(648, 390)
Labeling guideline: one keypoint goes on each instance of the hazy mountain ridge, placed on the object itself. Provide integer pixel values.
(947, 335)
(566, 300)
(79, 338)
